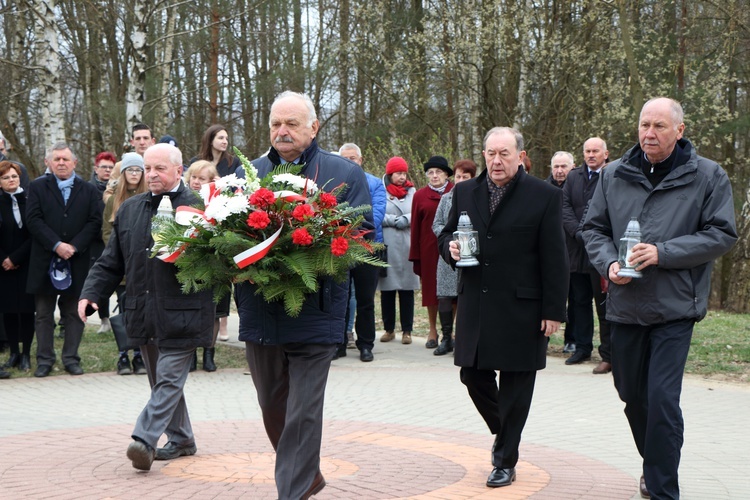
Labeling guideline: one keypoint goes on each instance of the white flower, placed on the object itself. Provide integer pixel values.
(296, 181)
(230, 182)
(253, 186)
(222, 206)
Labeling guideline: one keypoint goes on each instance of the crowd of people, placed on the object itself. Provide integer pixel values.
(548, 254)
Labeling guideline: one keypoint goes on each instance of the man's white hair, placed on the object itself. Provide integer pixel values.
(350, 145)
(678, 115)
(312, 115)
(173, 154)
(570, 159)
(604, 143)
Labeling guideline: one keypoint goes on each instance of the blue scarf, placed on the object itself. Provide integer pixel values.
(66, 186)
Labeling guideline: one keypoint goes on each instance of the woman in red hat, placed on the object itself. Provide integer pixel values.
(399, 276)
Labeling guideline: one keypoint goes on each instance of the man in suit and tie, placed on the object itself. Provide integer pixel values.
(64, 217)
(585, 281)
(515, 298)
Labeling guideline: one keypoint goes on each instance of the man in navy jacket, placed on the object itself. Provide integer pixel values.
(289, 357)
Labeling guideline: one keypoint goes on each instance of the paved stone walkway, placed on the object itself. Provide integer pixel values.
(400, 427)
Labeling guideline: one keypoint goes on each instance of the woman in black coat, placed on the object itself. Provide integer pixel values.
(16, 305)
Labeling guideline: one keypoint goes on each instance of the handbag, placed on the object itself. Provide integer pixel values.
(118, 329)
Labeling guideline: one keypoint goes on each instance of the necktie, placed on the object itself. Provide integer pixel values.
(593, 175)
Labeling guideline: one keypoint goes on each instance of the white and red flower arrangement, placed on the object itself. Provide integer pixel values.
(281, 232)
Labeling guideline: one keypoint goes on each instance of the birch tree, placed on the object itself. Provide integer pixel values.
(136, 89)
(48, 70)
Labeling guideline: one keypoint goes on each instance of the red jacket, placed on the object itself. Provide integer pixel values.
(424, 249)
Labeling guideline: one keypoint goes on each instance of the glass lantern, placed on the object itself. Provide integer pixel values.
(630, 239)
(468, 242)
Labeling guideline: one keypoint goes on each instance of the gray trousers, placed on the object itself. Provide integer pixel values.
(166, 410)
(45, 329)
(290, 380)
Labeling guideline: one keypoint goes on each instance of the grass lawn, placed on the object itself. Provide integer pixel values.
(720, 347)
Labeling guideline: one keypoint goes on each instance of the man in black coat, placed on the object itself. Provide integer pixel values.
(562, 164)
(515, 298)
(167, 324)
(585, 281)
(64, 217)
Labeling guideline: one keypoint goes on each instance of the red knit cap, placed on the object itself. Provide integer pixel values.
(396, 164)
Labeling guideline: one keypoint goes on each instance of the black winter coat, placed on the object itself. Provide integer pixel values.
(577, 192)
(50, 219)
(156, 310)
(15, 243)
(522, 276)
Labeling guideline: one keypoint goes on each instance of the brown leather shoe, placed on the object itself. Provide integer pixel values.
(318, 484)
(642, 488)
(406, 338)
(602, 368)
(387, 337)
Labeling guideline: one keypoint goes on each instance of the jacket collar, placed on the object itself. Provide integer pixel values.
(305, 158)
(683, 171)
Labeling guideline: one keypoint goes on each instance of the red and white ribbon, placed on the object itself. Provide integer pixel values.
(252, 255)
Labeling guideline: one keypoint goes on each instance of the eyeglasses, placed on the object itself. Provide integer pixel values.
(106, 167)
(133, 170)
(9, 177)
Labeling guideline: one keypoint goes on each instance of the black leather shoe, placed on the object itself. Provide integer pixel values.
(194, 362)
(173, 450)
(13, 361)
(141, 454)
(74, 369)
(366, 355)
(642, 488)
(317, 485)
(208, 359)
(431, 343)
(4, 374)
(578, 357)
(501, 477)
(42, 370)
(25, 365)
(446, 346)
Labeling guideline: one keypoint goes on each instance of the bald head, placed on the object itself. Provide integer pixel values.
(595, 153)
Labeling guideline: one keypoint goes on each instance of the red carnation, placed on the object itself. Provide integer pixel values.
(301, 237)
(339, 246)
(258, 220)
(327, 200)
(262, 198)
(302, 212)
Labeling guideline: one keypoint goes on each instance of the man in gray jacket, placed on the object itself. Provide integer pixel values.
(683, 203)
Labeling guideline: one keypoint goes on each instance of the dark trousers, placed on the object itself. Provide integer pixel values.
(571, 319)
(365, 279)
(45, 329)
(290, 381)
(166, 411)
(585, 287)
(405, 305)
(504, 408)
(19, 327)
(648, 363)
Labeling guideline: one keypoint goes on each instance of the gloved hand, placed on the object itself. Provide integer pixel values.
(402, 222)
(389, 220)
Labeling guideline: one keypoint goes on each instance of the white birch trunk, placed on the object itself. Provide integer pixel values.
(136, 93)
(162, 110)
(48, 59)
